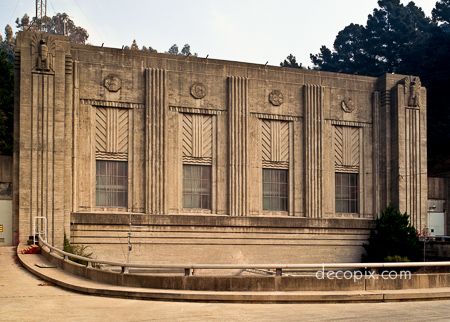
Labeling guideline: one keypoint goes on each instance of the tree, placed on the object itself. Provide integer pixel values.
(291, 61)
(393, 238)
(59, 24)
(441, 12)
(173, 50)
(185, 51)
(6, 95)
(400, 39)
(9, 35)
(391, 33)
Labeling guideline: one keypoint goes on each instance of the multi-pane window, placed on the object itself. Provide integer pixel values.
(111, 183)
(197, 186)
(275, 189)
(346, 192)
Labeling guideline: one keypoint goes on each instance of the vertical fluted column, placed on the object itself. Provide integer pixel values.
(237, 145)
(411, 167)
(313, 134)
(156, 101)
(75, 125)
(376, 151)
(68, 144)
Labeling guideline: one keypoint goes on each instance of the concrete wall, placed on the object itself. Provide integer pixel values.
(220, 239)
(77, 104)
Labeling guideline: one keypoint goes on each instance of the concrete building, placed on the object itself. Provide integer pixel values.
(205, 160)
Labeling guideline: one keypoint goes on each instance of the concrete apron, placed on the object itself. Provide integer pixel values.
(213, 289)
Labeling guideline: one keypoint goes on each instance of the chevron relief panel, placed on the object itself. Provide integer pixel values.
(100, 130)
(122, 130)
(111, 130)
(338, 145)
(346, 146)
(283, 141)
(275, 141)
(187, 134)
(266, 140)
(207, 135)
(197, 132)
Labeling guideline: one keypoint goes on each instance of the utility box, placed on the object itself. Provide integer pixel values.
(5, 200)
(436, 217)
(5, 222)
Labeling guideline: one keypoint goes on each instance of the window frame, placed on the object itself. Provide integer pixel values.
(116, 188)
(200, 190)
(346, 192)
(275, 192)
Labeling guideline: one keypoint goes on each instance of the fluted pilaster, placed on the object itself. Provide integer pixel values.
(313, 134)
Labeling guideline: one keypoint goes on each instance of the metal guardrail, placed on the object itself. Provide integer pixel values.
(188, 268)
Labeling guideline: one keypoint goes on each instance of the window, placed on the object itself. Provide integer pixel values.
(275, 189)
(346, 192)
(197, 186)
(112, 183)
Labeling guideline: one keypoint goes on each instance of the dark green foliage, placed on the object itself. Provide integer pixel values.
(441, 12)
(185, 51)
(291, 61)
(393, 239)
(381, 46)
(79, 250)
(400, 39)
(6, 97)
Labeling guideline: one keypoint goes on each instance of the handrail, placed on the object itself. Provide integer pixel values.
(277, 267)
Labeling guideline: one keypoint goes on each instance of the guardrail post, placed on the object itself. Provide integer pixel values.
(187, 272)
(125, 270)
(66, 258)
(89, 264)
(278, 271)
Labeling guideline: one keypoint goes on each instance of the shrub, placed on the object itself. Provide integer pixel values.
(394, 239)
(79, 250)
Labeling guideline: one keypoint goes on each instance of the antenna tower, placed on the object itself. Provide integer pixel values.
(41, 12)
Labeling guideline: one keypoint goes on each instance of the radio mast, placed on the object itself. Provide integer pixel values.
(41, 12)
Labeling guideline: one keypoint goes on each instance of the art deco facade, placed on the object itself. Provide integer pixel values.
(207, 160)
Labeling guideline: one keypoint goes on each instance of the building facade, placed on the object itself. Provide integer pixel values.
(205, 160)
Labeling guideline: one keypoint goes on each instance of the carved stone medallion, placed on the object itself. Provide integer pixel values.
(112, 83)
(347, 105)
(198, 90)
(276, 97)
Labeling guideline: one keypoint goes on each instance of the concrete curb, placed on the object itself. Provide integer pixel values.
(74, 283)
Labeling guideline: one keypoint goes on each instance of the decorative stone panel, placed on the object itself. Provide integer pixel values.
(197, 132)
(346, 148)
(275, 141)
(111, 130)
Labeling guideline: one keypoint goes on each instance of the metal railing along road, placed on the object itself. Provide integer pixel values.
(278, 268)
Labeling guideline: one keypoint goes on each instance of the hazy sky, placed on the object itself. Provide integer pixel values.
(247, 30)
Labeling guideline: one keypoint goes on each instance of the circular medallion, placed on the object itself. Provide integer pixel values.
(347, 105)
(198, 90)
(276, 98)
(112, 83)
